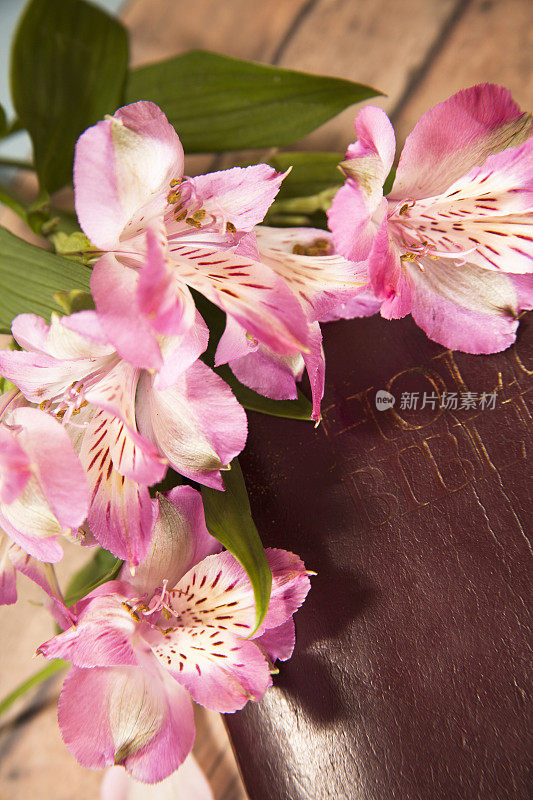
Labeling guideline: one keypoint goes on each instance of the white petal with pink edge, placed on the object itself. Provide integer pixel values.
(120, 165)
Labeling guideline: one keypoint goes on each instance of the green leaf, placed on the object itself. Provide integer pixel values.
(218, 103)
(102, 567)
(51, 669)
(29, 276)
(311, 174)
(387, 186)
(229, 519)
(68, 68)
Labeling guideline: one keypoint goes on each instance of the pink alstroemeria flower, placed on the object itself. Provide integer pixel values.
(188, 782)
(162, 233)
(43, 492)
(450, 242)
(327, 286)
(143, 646)
(125, 429)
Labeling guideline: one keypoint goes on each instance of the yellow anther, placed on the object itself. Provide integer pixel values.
(174, 182)
(193, 222)
(319, 247)
(180, 217)
(230, 227)
(199, 215)
(404, 209)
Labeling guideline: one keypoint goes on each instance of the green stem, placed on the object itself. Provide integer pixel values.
(19, 163)
(51, 669)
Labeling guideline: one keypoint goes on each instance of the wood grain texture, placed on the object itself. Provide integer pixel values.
(380, 43)
(492, 42)
(237, 28)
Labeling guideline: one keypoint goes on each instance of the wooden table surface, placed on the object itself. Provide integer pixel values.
(416, 51)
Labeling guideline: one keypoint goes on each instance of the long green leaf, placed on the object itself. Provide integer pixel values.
(229, 519)
(29, 276)
(46, 672)
(218, 103)
(68, 68)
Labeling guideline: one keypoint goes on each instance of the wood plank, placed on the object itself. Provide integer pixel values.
(240, 28)
(492, 42)
(380, 43)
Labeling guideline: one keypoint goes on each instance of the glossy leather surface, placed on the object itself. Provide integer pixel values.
(409, 680)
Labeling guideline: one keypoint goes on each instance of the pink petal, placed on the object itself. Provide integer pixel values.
(120, 514)
(31, 332)
(315, 364)
(125, 715)
(78, 336)
(278, 643)
(323, 281)
(465, 308)
(8, 576)
(102, 637)
(188, 782)
(352, 224)
(234, 343)
(132, 455)
(268, 373)
(180, 352)
(55, 464)
(456, 135)
(87, 325)
(30, 523)
(487, 213)
(115, 291)
(221, 672)
(387, 278)
(362, 303)
(375, 145)
(120, 164)
(15, 467)
(39, 573)
(162, 297)
(219, 587)
(355, 207)
(179, 540)
(241, 196)
(197, 423)
(38, 376)
(247, 290)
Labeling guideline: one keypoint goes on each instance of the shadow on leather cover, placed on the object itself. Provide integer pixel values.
(409, 677)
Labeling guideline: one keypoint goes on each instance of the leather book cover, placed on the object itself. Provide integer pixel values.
(412, 502)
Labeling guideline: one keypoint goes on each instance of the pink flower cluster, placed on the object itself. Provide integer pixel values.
(452, 243)
(107, 400)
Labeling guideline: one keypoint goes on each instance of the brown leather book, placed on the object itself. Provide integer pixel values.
(409, 679)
